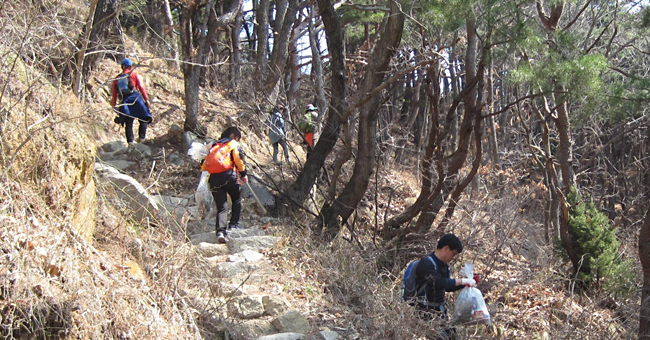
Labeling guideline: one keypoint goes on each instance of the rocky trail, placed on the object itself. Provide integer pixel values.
(247, 293)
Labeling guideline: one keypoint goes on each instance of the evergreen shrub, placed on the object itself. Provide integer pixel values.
(598, 246)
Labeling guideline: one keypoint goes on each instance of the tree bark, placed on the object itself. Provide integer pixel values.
(364, 164)
(565, 158)
(644, 256)
(79, 76)
(492, 128)
(317, 65)
(262, 17)
(235, 71)
(169, 31)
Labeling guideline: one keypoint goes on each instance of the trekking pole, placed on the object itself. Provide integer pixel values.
(257, 199)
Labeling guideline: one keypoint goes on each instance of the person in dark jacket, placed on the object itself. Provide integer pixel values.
(277, 134)
(133, 101)
(436, 278)
(228, 183)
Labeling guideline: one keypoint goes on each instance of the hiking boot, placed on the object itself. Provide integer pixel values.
(233, 226)
(141, 140)
(222, 237)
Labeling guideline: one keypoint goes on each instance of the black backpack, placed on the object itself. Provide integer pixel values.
(409, 289)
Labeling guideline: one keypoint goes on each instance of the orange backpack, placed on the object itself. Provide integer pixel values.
(219, 159)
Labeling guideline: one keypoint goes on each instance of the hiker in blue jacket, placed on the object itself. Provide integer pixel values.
(131, 101)
(277, 134)
(433, 273)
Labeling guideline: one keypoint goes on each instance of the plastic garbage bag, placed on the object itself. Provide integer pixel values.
(470, 306)
(198, 151)
(203, 196)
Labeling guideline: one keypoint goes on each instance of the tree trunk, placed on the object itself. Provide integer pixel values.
(293, 75)
(317, 65)
(299, 190)
(235, 71)
(565, 158)
(196, 52)
(364, 164)
(280, 50)
(169, 31)
(644, 256)
(425, 197)
(492, 128)
(262, 17)
(79, 76)
(474, 75)
(96, 35)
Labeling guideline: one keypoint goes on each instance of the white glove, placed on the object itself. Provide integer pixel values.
(468, 282)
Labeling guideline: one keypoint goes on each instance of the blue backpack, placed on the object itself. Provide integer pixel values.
(409, 289)
(124, 84)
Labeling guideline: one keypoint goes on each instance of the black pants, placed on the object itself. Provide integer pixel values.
(222, 185)
(128, 124)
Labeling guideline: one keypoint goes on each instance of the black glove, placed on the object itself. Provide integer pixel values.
(119, 120)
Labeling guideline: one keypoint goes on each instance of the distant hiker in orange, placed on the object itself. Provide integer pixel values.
(133, 101)
(307, 126)
(225, 163)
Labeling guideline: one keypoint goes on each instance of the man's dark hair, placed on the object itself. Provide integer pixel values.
(452, 241)
(230, 131)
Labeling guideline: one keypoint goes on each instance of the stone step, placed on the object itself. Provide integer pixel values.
(246, 256)
(211, 237)
(256, 243)
(283, 336)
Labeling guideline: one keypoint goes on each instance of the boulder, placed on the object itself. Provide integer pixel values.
(251, 329)
(291, 321)
(119, 164)
(136, 201)
(274, 305)
(263, 193)
(246, 307)
(113, 146)
(329, 335)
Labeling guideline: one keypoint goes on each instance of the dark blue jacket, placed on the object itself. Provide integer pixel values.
(437, 280)
(133, 106)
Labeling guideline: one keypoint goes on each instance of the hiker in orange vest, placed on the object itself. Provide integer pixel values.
(133, 101)
(225, 163)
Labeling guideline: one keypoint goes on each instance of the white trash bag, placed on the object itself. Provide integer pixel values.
(203, 196)
(198, 151)
(470, 306)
